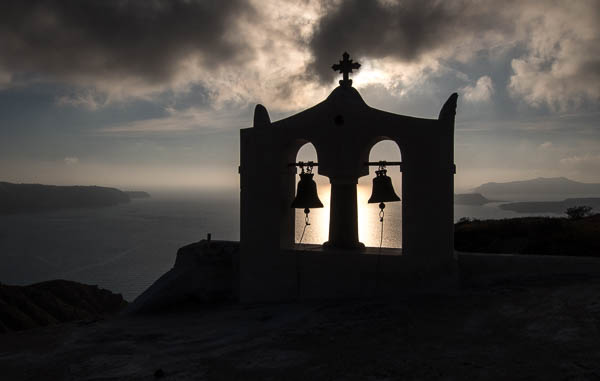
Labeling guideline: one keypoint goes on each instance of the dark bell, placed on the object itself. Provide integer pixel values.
(383, 191)
(306, 196)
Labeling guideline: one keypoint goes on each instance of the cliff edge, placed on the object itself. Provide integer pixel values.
(55, 301)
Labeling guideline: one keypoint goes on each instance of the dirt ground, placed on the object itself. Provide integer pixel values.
(534, 331)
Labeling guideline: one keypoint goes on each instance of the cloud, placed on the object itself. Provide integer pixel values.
(561, 67)
(481, 92)
(189, 119)
(5, 79)
(545, 146)
(588, 162)
(118, 43)
(88, 99)
(112, 51)
(280, 52)
(124, 176)
(555, 44)
(71, 160)
(408, 31)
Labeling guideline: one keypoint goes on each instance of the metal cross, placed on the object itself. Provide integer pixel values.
(345, 66)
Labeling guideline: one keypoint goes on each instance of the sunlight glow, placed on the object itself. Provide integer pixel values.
(369, 226)
(370, 76)
(318, 230)
(368, 220)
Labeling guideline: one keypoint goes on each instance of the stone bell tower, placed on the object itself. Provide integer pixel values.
(343, 128)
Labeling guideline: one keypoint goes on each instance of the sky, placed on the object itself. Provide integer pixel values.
(153, 93)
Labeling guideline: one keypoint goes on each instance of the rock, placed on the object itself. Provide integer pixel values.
(51, 302)
(205, 272)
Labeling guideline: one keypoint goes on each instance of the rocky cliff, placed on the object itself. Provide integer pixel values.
(51, 302)
(17, 198)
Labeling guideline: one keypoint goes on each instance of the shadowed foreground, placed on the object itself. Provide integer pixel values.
(537, 330)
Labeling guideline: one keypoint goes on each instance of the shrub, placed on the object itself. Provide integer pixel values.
(577, 212)
(464, 220)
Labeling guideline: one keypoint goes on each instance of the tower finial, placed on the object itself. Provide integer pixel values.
(345, 67)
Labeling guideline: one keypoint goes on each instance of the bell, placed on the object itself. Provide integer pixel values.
(306, 196)
(383, 191)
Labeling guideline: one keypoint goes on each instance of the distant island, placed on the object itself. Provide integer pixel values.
(471, 199)
(551, 206)
(137, 194)
(18, 198)
(541, 185)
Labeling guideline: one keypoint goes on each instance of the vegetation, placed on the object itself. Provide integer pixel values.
(578, 212)
(530, 235)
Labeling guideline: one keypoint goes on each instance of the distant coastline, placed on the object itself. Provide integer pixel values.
(551, 206)
(539, 186)
(471, 199)
(20, 198)
(137, 194)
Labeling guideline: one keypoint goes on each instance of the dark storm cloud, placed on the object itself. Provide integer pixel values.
(117, 50)
(406, 29)
(104, 39)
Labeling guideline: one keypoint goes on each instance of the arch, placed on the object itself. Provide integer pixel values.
(293, 148)
(318, 230)
(306, 152)
(366, 149)
(381, 148)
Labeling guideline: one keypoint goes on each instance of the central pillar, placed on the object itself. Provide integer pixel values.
(343, 215)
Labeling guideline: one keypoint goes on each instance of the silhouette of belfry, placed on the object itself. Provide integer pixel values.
(343, 128)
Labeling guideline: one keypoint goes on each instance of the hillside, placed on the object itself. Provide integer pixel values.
(471, 199)
(17, 198)
(57, 301)
(530, 235)
(541, 185)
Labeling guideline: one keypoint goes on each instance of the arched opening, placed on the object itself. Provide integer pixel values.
(318, 230)
(369, 225)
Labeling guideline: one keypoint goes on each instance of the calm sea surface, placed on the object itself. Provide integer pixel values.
(127, 247)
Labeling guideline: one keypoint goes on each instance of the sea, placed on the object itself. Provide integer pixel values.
(125, 248)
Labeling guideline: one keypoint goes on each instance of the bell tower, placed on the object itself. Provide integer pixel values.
(343, 128)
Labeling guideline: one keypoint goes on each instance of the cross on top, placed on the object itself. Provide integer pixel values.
(345, 66)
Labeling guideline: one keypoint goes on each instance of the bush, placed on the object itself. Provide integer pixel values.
(577, 212)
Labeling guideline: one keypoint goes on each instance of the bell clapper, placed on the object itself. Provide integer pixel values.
(306, 223)
(381, 214)
(309, 170)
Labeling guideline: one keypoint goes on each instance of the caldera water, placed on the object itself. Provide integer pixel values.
(124, 248)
